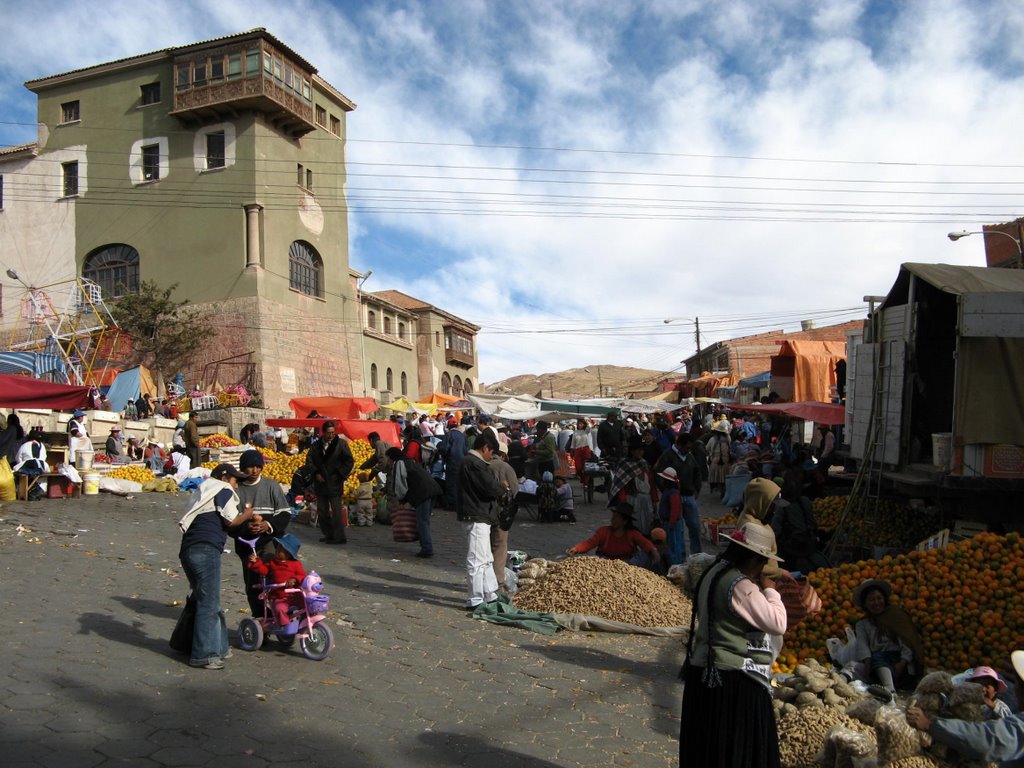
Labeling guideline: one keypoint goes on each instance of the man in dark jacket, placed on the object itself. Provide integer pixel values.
(609, 437)
(413, 485)
(477, 509)
(330, 462)
(452, 450)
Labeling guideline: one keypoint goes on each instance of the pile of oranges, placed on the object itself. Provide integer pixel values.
(885, 524)
(965, 599)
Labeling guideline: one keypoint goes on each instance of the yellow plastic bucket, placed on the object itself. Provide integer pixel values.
(91, 483)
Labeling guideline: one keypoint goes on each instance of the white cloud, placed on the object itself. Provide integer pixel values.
(669, 91)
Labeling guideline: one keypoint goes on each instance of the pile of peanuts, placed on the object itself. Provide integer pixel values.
(609, 589)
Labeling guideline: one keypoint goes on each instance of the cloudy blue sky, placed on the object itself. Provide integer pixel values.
(569, 174)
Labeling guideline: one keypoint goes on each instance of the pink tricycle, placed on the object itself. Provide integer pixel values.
(307, 621)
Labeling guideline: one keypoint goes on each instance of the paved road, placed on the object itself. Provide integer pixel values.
(89, 591)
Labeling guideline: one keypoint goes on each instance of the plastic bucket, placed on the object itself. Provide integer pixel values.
(84, 459)
(91, 483)
(942, 450)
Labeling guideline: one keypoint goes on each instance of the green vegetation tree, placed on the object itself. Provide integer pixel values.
(165, 334)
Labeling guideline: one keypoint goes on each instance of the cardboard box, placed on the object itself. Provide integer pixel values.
(1000, 460)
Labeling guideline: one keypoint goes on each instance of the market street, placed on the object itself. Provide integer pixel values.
(90, 586)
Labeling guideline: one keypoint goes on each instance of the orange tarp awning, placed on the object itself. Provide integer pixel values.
(814, 367)
(333, 407)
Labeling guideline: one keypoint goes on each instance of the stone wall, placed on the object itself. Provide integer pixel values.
(295, 353)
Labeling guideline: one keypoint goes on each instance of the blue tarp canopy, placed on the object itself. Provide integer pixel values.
(757, 381)
(36, 364)
(125, 387)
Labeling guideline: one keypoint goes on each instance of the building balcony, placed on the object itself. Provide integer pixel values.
(462, 359)
(282, 107)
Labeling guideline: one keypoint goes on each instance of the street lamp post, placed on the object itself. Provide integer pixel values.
(954, 236)
(600, 384)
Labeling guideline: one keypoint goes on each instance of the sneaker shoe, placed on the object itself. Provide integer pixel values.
(213, 663)
(881, 693)
(424, 554)
(228, 655)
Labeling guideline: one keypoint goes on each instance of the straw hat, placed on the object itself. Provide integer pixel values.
(721, 426)
(757, 538)
(1017, 659)
(867, 585)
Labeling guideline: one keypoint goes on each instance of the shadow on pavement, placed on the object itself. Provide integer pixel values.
(444, 748)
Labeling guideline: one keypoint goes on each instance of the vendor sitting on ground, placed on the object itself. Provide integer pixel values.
(889, 647)
(113, 447)
(619, 540)
(565, 506)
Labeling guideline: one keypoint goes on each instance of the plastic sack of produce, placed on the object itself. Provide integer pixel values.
(403, 525)
(7, 488)
(800, 599)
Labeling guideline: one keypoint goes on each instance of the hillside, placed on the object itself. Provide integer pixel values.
(578, 383)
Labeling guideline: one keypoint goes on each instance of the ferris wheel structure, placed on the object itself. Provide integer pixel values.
(71, 322)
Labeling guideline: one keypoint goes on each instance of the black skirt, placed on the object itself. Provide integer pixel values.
(729, 726)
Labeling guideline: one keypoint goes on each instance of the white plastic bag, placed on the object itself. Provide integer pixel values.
(843, 653)
(511, 581)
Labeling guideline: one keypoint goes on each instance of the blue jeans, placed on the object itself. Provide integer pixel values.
(691, 516)
(201, 563)
(423, 512)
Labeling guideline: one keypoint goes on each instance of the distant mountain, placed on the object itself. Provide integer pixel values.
(589, 381)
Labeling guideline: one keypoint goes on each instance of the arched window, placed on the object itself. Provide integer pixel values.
(467, 387)
(401, 330)
(305, 269)
(390, 377)
(457, 386)
(387, 325)
(405, 384)
(371, 320)
(446, 383)
(373, 376)
(114, 268)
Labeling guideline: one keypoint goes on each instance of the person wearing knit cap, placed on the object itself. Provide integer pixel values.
(271, 515)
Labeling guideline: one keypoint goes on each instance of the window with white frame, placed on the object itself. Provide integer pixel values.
(70, 178)
(151, 162)
(215, 145)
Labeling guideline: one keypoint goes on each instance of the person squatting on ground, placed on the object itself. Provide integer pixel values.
(283, 568)
(271, 513)
(214, 509)
(619, 540)
(477, 510)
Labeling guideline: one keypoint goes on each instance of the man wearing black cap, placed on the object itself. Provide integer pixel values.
(271, 515)
(330, 462)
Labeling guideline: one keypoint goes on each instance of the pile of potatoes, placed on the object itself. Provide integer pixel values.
(869, 732)
(609, 589)
(812, 685)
